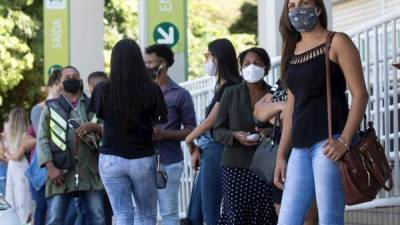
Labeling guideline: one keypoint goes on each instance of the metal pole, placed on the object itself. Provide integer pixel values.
(142, 12)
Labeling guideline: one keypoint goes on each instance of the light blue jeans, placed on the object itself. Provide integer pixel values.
(124, 178)
(168, 197)
(310, 173)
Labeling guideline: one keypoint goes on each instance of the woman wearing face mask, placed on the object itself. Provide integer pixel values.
(312, 168)
(206, 201)
(246, 197)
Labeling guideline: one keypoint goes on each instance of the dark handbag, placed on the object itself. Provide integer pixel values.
(161, 174)
(186, 221)
(364, 169)
(264, 159)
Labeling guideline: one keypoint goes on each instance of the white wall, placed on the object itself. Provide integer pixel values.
(353, 13)
(87, 32)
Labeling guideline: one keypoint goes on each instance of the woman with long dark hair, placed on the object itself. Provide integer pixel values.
(130, 104)
(247, 199)
(206, 201)
(312, 169)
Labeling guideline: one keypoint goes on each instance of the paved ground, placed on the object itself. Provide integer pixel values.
(380, 216)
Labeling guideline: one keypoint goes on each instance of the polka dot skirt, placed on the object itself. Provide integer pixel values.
(246, 200)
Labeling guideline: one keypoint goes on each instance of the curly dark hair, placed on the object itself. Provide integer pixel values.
(162, 51)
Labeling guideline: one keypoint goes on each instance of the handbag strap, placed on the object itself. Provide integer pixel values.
(328, 82)
(372, 168)
(158, 155)
(277, 123)
(328, 45)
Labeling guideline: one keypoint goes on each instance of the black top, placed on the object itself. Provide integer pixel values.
(218, 95)
(136, 141)
(235, 114)
(306, 79)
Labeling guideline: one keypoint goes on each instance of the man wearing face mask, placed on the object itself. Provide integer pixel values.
(158, 58)
(71, 159)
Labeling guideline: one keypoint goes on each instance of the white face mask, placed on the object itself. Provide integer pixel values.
(210, 68)
(253, 73)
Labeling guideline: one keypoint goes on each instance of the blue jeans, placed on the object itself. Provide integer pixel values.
(168, 197)
(207, 194)
(3, 175)
(92, 202)
(41, 205)
(310, 173)
(76, 215)
(123, 178)
(107, 210)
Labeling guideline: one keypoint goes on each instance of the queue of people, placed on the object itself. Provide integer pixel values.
(116, 156)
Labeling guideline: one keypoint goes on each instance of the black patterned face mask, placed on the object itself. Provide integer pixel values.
(303, 19)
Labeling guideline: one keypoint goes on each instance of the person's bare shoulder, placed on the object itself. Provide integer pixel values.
(342, 45)
(341, 40)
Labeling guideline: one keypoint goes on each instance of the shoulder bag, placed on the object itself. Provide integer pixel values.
(364, 169)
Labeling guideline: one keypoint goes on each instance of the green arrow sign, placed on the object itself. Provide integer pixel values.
(166, 23)
(166, 33)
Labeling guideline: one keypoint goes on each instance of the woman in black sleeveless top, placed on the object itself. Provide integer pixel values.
(312, 169)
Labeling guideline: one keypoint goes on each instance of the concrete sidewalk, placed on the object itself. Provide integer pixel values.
(378, 216)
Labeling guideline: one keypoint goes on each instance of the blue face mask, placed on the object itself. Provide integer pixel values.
(303, 19)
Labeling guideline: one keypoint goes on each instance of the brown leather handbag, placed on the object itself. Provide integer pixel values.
(364, 169)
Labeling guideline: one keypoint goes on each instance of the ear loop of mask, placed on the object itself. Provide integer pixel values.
(317, 12)
(240, 66)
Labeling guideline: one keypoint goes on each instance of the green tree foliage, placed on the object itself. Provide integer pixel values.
(21, 47)
(247, 22)
(209, 20)
(120, 21)
(21, 54)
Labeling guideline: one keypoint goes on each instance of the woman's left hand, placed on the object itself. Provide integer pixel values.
(9, 156)
(334, 150)
(86, 128)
